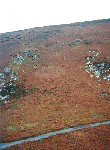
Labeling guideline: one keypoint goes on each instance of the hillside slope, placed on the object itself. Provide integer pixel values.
(53, 78)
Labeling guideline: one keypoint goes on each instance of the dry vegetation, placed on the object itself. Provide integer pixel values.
(60, 93)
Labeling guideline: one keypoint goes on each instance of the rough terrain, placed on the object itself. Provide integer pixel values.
(59, 89)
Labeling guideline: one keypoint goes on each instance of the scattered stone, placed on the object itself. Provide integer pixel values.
(89, 58)
(100, 69)
(3, 97)
(2, 75)
(88, 63)
(97, 73)
(78, 40)
(6, 70)
(96, 54)
(100, 80)
(5, 102)
(8, 85)
(105, 94)
(108, 77)
(87, 71)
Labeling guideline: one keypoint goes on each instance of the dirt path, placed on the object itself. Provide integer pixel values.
(6, 145)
